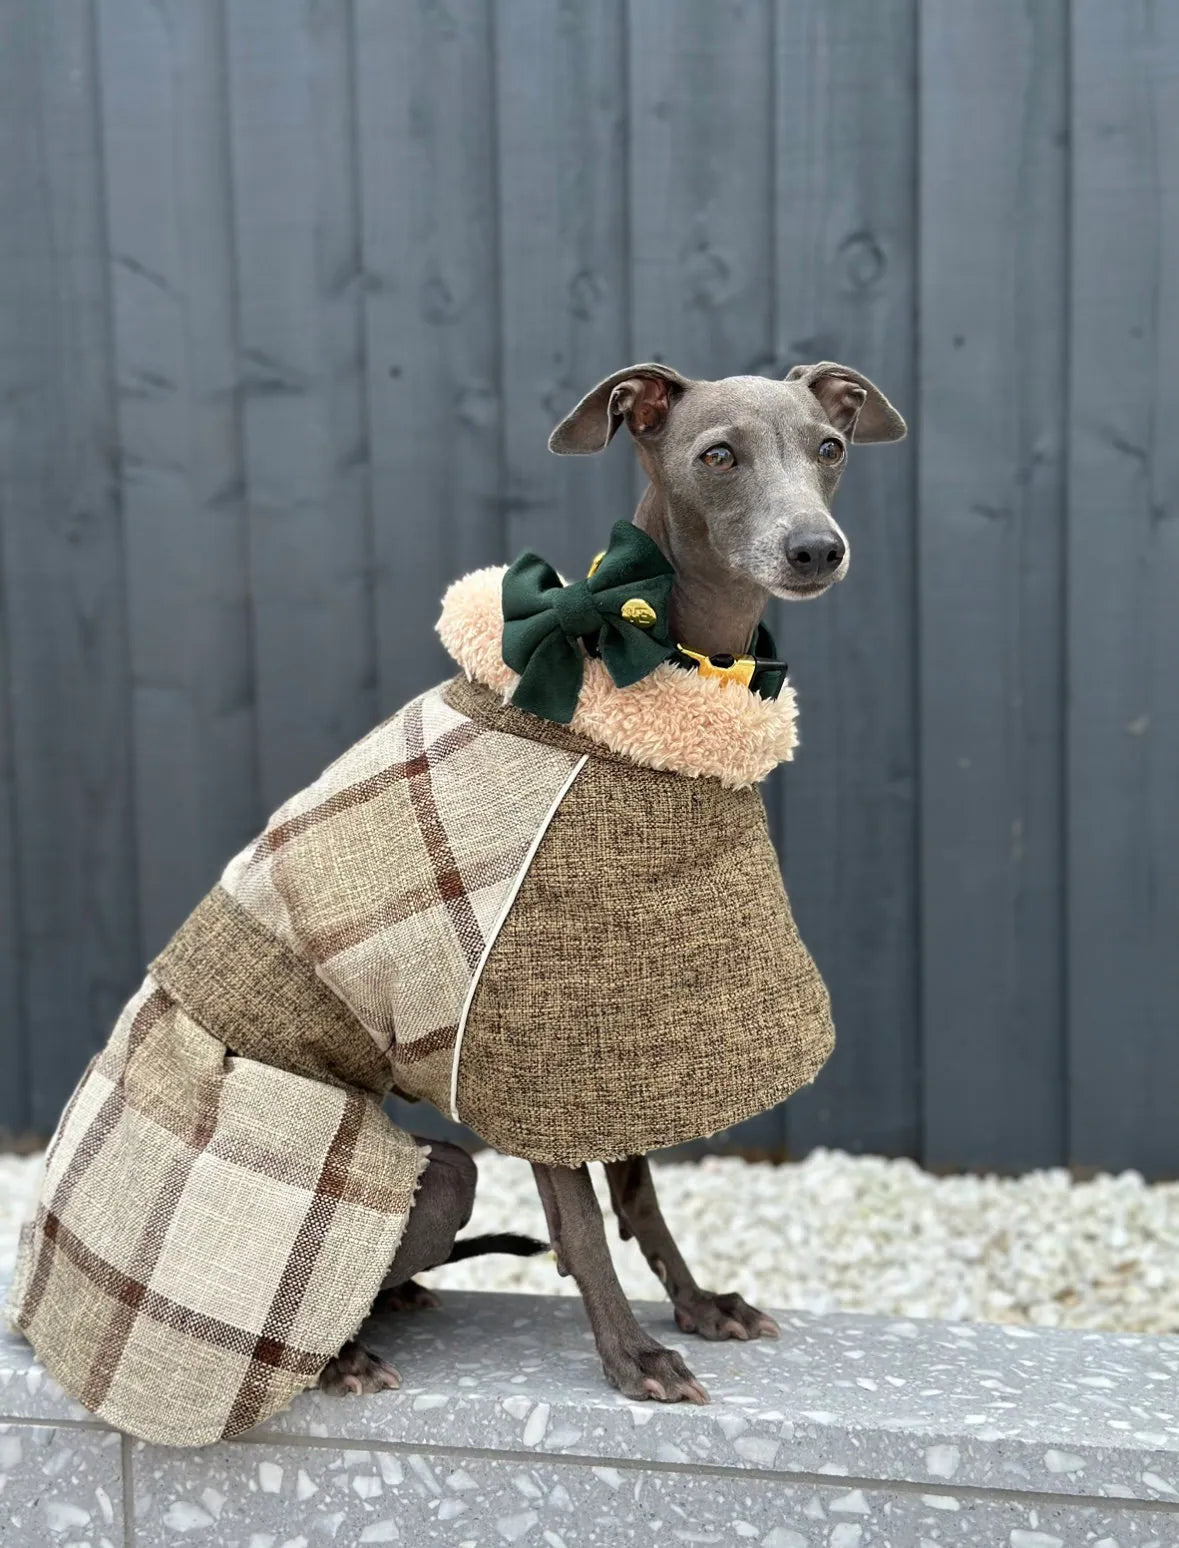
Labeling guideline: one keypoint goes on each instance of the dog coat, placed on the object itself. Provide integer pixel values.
(573, 938)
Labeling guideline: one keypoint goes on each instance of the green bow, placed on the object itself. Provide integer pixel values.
(620, 611)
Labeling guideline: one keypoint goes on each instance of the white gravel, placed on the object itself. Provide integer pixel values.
(857, 1233)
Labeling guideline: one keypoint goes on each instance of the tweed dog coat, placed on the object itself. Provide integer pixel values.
(574, 938)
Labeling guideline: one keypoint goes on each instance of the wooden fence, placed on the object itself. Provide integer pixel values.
(291, 292)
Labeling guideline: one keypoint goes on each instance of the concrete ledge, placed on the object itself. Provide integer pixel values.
(849, 1433)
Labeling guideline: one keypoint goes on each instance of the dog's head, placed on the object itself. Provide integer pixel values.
(746, 464)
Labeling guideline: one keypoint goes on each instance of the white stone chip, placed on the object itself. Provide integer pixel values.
(269, 1477)
(851, 1504)
(538, 1423)
(60, 1515)
(180, 1516)
(381, 1532)
(942, 1461)
(513, 1528)
(783, 1537)
(1063, 1461)
(610, 1476)
(390, 1468)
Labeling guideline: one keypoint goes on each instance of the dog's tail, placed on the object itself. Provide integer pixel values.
(502, 1241)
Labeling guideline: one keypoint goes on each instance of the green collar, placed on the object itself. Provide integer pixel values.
(618, 613)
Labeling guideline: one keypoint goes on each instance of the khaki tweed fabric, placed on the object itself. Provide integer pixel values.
(210, 1230)
(649, 986)
(248, 988)
(390, 872)
(481, 704)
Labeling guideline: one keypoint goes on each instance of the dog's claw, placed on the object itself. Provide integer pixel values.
(655, 1373)
(355, 1370)
(724, 1316)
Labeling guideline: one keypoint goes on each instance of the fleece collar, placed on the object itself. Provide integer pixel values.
(680, 721)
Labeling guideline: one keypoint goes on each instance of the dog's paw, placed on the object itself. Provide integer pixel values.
(654, 1373)
(356, 1370)
(409, 1296)
(723, 1316)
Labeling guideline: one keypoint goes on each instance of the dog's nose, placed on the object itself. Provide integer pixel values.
(815, 555)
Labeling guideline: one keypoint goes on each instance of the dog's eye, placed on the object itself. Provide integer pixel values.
(831, 452)
(719, 457)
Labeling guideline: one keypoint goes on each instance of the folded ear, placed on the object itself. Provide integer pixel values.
(640, 394)
(851, 402)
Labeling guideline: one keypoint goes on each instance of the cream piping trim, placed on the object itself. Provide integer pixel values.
(501, 920)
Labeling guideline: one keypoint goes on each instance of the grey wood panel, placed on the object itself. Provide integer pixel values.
(13, 1054)
(169, 219)
(62, 556)
(701, 94)
(993, 251)
(305, 423)
(1123, 568)
(701, 238)
(428, 172)
(844, 290)
(14, 1086)
(561, 114)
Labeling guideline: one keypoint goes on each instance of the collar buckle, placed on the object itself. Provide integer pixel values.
(763, 675)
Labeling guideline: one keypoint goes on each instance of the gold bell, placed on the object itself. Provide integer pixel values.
(597, 559)
(638, 612)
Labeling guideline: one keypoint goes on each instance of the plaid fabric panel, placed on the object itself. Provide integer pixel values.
(390, 872)
(210, 1230)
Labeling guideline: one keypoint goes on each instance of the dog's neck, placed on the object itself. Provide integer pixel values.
(711, 610)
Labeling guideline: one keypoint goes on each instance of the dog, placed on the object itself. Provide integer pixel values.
(742, 475)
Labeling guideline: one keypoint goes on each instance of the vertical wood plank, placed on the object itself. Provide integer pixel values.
(561, 111)
(169, 213)
(62, 554)
(700, 78)
(844, 290)
(700, 183)
(993, 332)
(13, 1051)
(428, 172)
(302, 350)
(1123, 567)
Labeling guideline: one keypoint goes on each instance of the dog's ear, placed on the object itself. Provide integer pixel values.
(640, 394)
(851, 402)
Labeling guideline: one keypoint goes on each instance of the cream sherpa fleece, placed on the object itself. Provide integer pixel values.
(673, 719)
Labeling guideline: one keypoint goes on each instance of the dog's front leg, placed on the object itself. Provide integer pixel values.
(636, 1364)
(632, 1189)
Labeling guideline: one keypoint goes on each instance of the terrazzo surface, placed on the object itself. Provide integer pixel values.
(849, 1432)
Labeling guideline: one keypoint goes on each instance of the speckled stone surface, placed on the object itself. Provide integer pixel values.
(246, 1496)
(60, 1484)
(849, 1432)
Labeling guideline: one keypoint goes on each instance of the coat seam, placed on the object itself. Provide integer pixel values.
(500, 920)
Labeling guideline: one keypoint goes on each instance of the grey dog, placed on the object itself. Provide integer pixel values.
(742, 473)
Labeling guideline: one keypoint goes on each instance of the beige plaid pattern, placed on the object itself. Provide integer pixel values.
(390, 872)
(210, 1230)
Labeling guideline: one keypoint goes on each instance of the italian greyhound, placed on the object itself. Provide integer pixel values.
(742, 473)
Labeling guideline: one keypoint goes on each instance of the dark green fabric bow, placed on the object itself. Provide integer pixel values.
(545, 622)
